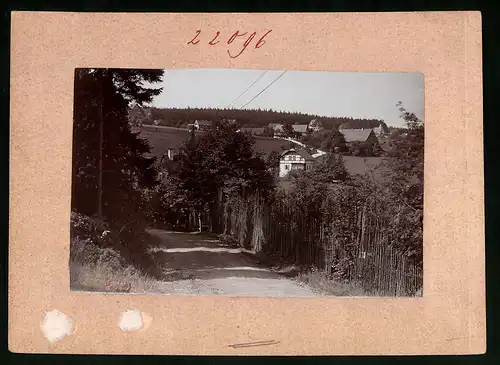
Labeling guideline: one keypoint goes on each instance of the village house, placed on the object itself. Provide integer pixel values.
(379, 131)
(172, 153)
(300, 130)
(253, 131)
(194, 125)
(277, 128)
(359, 135)
(294, 159)
(230, 121)
(200, 125)
(315, 125)
(204, 125)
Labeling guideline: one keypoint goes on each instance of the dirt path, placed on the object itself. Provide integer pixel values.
(198, 264)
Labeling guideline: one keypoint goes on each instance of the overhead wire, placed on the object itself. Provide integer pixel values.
(248, 88)
(267, 87)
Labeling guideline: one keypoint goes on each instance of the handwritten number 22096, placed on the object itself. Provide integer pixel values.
(215, 40)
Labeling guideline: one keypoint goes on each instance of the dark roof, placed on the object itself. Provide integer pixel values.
(268, 145)
(253, 130)
(299, 152)
(358, 135)
(361, 166)
(204, 122)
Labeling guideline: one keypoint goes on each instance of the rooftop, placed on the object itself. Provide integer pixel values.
(359, 135)
(204, 122)
(299, 152)
(278, 127)
(301, 128)
(253, 130)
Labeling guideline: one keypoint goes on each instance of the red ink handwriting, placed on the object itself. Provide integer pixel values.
(261, 41)
(245, 45)
(196, 36)
(233, 38)
(211, 42)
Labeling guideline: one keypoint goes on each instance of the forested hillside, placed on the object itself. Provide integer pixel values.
(245, 118)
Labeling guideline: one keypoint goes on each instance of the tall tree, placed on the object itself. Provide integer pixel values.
(406, 188)
(310, 187)
(288, 130)
(221, 159)
(334, 141)
(408, 160)
(109, 162)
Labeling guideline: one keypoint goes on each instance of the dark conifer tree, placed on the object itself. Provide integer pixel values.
(101, 103)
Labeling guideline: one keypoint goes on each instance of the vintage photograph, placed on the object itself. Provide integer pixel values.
(239, 182)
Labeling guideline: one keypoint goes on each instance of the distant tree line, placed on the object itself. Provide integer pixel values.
(254, 118)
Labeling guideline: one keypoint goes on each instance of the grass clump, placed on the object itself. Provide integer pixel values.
(94, 268)
(321, 284)
(104, 259)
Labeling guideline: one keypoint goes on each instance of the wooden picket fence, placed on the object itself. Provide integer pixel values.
(312, 241)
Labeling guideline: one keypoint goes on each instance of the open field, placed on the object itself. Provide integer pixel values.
(162, 138)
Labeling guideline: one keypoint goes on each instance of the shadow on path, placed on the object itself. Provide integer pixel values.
(198, 255)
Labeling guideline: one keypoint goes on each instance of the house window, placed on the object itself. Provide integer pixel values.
(286, 167)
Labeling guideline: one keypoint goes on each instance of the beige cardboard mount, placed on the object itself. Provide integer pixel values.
(445, 46)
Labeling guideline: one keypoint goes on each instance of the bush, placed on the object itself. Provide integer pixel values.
(94, 268)
(85, 252)
(129, 244)
(89, 229)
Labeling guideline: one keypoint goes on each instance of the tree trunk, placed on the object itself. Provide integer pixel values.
(100, 167)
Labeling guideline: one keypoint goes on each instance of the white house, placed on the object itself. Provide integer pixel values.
(204, 125)
(315, 125)
(195, 125)
(294, 159)
(172, 152)
(379, 131)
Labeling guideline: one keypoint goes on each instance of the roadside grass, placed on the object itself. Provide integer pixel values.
(94, 268)
(321, 284)
(316, 280)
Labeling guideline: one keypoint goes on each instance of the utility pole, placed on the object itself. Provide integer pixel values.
(100, 167)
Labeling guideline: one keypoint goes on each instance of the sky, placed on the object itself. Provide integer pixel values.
(333, 94)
